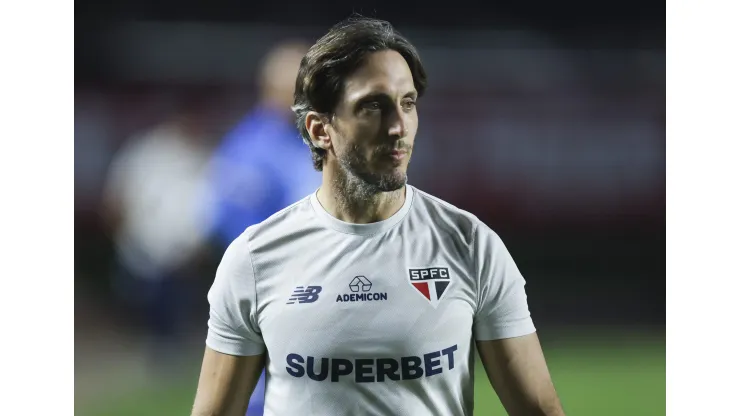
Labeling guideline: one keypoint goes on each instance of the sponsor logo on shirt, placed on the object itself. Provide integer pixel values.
(308, 294)
(360, 287)
(430, 282)
(371, 370)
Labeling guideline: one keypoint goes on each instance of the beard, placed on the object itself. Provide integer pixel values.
(359, 177)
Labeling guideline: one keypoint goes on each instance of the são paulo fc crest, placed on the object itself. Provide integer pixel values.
(430, 282)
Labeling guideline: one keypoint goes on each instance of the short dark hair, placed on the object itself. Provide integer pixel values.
(334, 57)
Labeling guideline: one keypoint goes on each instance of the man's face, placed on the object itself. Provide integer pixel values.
(375, 122)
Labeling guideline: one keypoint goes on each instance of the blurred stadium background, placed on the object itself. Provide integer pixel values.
(546, 120)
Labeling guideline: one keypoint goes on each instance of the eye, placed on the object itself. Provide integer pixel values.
(371, 106)
(408, 104)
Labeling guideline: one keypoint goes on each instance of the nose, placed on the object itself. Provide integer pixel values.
(397, 125)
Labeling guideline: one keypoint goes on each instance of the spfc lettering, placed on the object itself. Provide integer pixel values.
(430, 282)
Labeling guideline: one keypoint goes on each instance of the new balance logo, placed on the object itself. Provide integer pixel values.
(309, 294)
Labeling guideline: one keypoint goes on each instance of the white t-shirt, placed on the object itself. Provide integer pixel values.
(372, 319)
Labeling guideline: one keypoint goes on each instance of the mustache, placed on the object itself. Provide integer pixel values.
(387, 148)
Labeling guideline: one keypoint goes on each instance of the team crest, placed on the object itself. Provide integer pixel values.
(430, 282)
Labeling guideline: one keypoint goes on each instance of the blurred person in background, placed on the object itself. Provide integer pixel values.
(368, 296)
(261, 166)
(249, 183)
(156, 207)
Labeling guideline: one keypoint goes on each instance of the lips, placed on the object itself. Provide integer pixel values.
(398, 154)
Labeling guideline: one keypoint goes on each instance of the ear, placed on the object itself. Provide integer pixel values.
(317, 126)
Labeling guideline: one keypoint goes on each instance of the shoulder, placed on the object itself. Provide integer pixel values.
(275, 228)
(447, 217)
(282, 225)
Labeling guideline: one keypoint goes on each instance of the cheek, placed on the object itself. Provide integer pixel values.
(364, 139)
(412, 124)
(355, 145)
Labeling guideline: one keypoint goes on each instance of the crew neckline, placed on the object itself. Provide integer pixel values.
(362, 229)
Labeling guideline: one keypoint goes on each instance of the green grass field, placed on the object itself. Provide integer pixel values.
(622, 377)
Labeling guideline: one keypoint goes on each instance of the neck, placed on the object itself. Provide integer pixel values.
(350, 199)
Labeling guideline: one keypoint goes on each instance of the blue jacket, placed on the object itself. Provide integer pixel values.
(259, 168)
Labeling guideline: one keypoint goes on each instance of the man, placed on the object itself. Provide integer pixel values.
(365, 297)
(156, 208)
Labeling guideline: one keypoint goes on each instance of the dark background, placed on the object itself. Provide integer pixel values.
(578, 23)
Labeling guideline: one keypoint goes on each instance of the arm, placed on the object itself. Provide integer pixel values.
(518, 373)
(235, 351)
(226, 383)
(505, 335)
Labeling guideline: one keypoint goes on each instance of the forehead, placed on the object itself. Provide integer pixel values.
(381, 72)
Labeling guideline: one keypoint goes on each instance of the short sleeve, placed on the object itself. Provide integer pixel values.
(232, 323)
(502, 310)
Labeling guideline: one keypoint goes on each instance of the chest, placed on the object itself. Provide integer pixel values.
(366, 298)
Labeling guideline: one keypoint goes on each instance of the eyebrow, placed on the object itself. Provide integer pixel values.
(381, 95)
